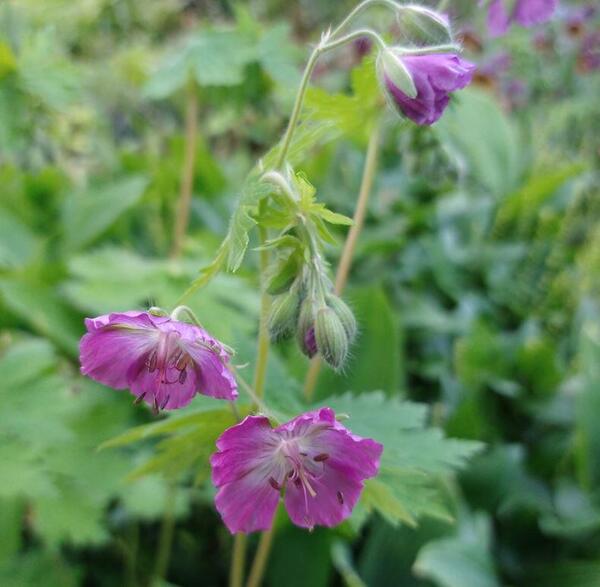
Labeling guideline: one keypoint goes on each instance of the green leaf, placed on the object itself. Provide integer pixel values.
(88, 214)
(18, 244)
(476, 130)
(353, 115)
(331, 217)
(462, 560)
(218, 57)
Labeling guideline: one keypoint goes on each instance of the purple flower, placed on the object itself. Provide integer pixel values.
(162, 361)
(527, 13)
(319, 464)
(434, 77)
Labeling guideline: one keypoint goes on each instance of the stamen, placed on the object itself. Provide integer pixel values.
(182, 376)
(321, 457)
(151, 362)
(183, 360)
(162, 407)
(139, 398)
(340, 497)
(274, 484)
(155, 409)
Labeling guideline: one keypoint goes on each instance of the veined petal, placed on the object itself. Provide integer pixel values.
(212, 374)
(242, 470)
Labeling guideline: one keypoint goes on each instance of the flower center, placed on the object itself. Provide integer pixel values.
(169, 362)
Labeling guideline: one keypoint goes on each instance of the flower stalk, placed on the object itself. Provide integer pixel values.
(345, 263)
(182, 214)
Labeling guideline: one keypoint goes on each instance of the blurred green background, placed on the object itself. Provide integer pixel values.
(476, 285)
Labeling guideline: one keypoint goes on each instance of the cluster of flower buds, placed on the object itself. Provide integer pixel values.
(322, 322)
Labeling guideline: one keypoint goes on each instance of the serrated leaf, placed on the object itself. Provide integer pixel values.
(331, 217)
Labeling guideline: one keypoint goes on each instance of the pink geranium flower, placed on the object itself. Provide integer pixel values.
(435, 77)
(163, 361)
(318, 464)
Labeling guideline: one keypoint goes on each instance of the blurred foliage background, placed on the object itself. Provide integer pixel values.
(476, 285)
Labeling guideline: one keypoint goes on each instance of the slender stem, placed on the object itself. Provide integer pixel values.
(238, 560)
(165, 539)
(262, 357)
(360, 211)
(312, 375)
(289, 132)
(260, 559)
(182, 214)
(360, 8)
(442, 5)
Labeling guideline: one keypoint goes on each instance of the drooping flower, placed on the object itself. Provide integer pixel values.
(434, 77)
(163, 361)
(527, 13)
(318, 464)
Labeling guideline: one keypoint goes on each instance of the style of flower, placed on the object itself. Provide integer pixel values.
(318, 464)
(527, 13)
(163, 361)
(434, 77)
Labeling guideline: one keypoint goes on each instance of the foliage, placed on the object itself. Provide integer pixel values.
(475, 286)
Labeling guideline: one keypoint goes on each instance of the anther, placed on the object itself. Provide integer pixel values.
(155, 409)
(340, 497)
(139, 398)
(274, 484)
(151, 363)
(182, 377)
(162, 407)
(321, 457)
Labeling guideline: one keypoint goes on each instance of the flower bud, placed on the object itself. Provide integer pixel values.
(306, 328)
(331, 337)
(344, 313)
(283, 316)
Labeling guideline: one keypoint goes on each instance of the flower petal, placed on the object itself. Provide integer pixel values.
(212, 374)
(113, 343)
(241, 469)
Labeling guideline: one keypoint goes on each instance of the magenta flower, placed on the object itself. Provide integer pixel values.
(527, 13)
(162, 361)
(319, 464)
(434, 77)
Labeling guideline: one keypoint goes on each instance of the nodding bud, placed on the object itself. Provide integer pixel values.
(392, 72)
(306, 328)
(283, 316)
(331, 337)
(344, 313)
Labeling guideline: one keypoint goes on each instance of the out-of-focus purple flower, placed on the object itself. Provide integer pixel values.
(164, 362)
(589, 53)
(318, 463)
(434, 77)
(516, 93)
(527, 13)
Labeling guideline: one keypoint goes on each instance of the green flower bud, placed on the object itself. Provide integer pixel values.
(331, 337)
(283, 315)
(305, 332)
(344, 313)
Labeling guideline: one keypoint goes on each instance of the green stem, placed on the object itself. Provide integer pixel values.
(312, 375)
(238, 560)
(442, 5)
(262, 356)
(360, 8)
(165, 540)
(182, 214)
(261, 557)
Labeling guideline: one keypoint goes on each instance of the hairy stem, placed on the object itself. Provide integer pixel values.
(165, 539)
(182, 214)
(261, 557)
(341, 277)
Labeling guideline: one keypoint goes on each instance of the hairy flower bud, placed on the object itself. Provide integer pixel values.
(283, 316)
(344, 313)
(306, 328)
(331, 337)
